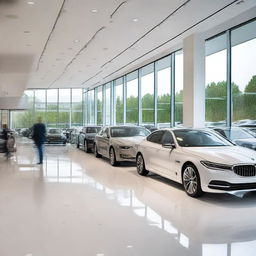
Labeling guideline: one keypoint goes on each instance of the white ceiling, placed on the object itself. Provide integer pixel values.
(58, 44)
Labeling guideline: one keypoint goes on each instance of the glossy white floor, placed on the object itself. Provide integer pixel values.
(77, 205)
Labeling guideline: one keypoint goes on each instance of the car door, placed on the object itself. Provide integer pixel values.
(166, 155)
(98, 141)
(81, 137)
(150, 150)
(105, 142)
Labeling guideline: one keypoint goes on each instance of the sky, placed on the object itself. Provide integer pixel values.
(243, 64)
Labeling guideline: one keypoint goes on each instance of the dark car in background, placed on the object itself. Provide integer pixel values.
(86, 137)
(56, 136)
(239, 136)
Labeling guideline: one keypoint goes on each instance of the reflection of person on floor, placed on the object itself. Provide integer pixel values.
(38, 135)
(6, 132)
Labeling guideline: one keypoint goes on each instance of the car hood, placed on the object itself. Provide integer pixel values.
(249, 141)
(54, 135)
(128, 141)
(226, 155)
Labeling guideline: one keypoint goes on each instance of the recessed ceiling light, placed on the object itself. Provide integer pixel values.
(70, 48)
(76, 41)
(31, 2)
(105, 48)
(240, 2)
(135, 20)
(58, 59)
(26, 31)
(94, 10)
(28, 44)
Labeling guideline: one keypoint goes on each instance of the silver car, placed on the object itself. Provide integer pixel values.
(118, 143)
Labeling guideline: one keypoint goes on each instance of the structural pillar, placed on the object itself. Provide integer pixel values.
(194, 81)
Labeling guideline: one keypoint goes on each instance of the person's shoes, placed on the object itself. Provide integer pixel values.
(40, 163)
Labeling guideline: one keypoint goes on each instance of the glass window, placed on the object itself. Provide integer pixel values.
(167, 138)
(52, 108)
(128, 131)
(132, 98)
(197, 138)
(40, 104)
(99, 101)
(118, 101)
(243, 52)
(77, 107)
(108, 103)
(156, 137)
(163, 83)
(64, 108)
(147, 94)
(91, 107)
(216, 83)
(178, 88)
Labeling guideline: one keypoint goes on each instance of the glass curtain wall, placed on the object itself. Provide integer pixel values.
(243, 73)
(107, 104)
(91, 107)
(40, 104)
(77, 107)
(216, 81)
(147, 94)
(99, 101)
(163, 90)
(64, 108)
(132, 86)
(52, 108)
(118, 101)
(231, 55)
(178, 85)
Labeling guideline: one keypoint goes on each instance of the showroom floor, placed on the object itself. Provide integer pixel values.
(77, 205)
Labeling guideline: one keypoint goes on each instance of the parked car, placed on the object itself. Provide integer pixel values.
(87, 136)
(55, 135)
(246, 123)
(239, 136)
(11, 142)
(118, 143)
(201, 160)
(73, 137)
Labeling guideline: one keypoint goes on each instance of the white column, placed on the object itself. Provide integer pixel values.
(194, 81)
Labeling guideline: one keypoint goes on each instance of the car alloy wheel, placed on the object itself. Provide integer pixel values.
(112, 157)
(191, 181)
(96, 151)
(141, 166)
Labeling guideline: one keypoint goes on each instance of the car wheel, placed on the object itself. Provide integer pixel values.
(96, 151)
(141, 166)
(191, 181)
(86, 149)
(112, 157)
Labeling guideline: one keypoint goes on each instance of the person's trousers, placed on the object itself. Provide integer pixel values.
(40, 148)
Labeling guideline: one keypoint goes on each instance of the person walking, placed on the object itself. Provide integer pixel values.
(39, 137)
(6, 132)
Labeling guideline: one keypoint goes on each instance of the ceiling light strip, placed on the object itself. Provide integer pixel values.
(50, 35)
(77, 54)
(148, 32)
(118, 7)
(171, 39)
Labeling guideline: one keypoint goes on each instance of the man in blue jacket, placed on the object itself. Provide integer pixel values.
(39, 137)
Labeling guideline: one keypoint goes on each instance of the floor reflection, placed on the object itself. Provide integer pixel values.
(216, 225)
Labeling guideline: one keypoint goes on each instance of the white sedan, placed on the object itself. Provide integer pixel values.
(201, 160)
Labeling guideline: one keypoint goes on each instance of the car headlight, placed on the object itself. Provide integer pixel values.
(215, 166)
(125, 147)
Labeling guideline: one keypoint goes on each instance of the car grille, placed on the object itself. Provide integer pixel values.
(245, 170)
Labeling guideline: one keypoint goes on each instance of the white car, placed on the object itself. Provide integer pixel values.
(201, 160)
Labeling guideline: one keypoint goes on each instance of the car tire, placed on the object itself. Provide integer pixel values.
(191, 181)
(86, 149)
(96, 151)
(112, 157)
(140, 164)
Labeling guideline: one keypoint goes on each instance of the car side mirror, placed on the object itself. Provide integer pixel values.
(169, 145)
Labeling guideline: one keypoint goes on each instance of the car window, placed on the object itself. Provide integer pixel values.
(127, 131)
(92, 129)
(235, 134)
(167, 138)
(156, 137)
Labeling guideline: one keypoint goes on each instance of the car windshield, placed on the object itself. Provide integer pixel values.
(92, 129)
(198, 138)
(129, 131)
(54, 131)
(236, 134)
